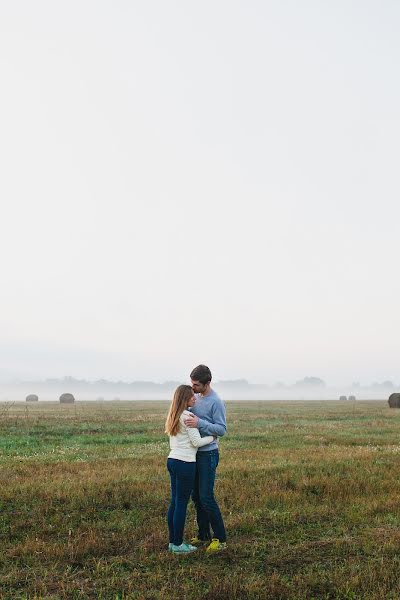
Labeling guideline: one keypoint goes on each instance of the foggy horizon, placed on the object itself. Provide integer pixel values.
(192, 183)
(104, 390)
(312, 382)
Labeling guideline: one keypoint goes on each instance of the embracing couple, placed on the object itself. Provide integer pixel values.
(195, 421)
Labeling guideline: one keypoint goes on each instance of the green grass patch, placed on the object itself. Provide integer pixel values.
(310, 492)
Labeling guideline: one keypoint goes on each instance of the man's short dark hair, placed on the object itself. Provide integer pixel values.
(201, 373)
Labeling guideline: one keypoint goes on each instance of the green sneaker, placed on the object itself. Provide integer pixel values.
(216, 546)
(183, 549)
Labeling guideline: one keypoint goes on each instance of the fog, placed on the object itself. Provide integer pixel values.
(188, 183)
(309, 388)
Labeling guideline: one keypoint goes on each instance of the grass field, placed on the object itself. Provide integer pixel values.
(310, 493)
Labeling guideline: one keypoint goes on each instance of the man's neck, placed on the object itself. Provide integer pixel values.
(207, 392)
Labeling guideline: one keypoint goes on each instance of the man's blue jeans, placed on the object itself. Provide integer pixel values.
(208, 512)
(182, 481)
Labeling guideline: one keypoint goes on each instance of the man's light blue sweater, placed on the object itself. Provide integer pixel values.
(212, 417)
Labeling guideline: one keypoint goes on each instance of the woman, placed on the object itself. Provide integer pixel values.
(181, 465)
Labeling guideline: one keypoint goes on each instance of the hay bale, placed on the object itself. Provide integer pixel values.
(32, 398)
(394, 400)
(67, 399)
(343, 398)
(352, 398)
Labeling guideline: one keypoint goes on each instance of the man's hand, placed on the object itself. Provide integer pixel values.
(191, 421)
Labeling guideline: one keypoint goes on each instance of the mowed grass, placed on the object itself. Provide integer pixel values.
(310, 493)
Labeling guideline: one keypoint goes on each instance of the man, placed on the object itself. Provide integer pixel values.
(210, 418)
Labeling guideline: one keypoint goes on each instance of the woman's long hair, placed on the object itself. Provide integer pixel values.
(179, 403)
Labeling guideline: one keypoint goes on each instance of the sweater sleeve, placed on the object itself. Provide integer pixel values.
(195, 438)
(218, 424)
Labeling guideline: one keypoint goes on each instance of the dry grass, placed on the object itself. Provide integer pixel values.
(310, 493)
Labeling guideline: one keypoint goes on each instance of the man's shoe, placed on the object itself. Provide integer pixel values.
(216, 546)
(183, 548)
(195, 541)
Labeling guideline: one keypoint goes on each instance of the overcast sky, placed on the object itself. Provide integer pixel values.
(186, 182)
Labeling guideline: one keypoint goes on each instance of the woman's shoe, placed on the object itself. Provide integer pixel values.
(183, 548)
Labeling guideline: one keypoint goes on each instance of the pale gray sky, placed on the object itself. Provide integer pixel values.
(187, 182)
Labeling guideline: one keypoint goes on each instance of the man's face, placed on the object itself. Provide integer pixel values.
(197, 387)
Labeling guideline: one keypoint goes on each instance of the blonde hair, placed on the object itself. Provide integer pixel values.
(179, 403)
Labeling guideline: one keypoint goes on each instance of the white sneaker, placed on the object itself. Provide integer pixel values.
(183, 548)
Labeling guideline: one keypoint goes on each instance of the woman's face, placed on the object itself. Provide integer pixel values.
(191, 401)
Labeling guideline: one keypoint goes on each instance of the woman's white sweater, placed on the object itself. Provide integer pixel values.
(185, 443)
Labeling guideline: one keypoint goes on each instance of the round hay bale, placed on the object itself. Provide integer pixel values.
(343, 398)
(67, 399)
(394, 400)
(352, 398)
(32, 398)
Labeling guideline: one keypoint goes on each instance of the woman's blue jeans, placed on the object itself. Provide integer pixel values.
(182, 481)
(208, 512)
